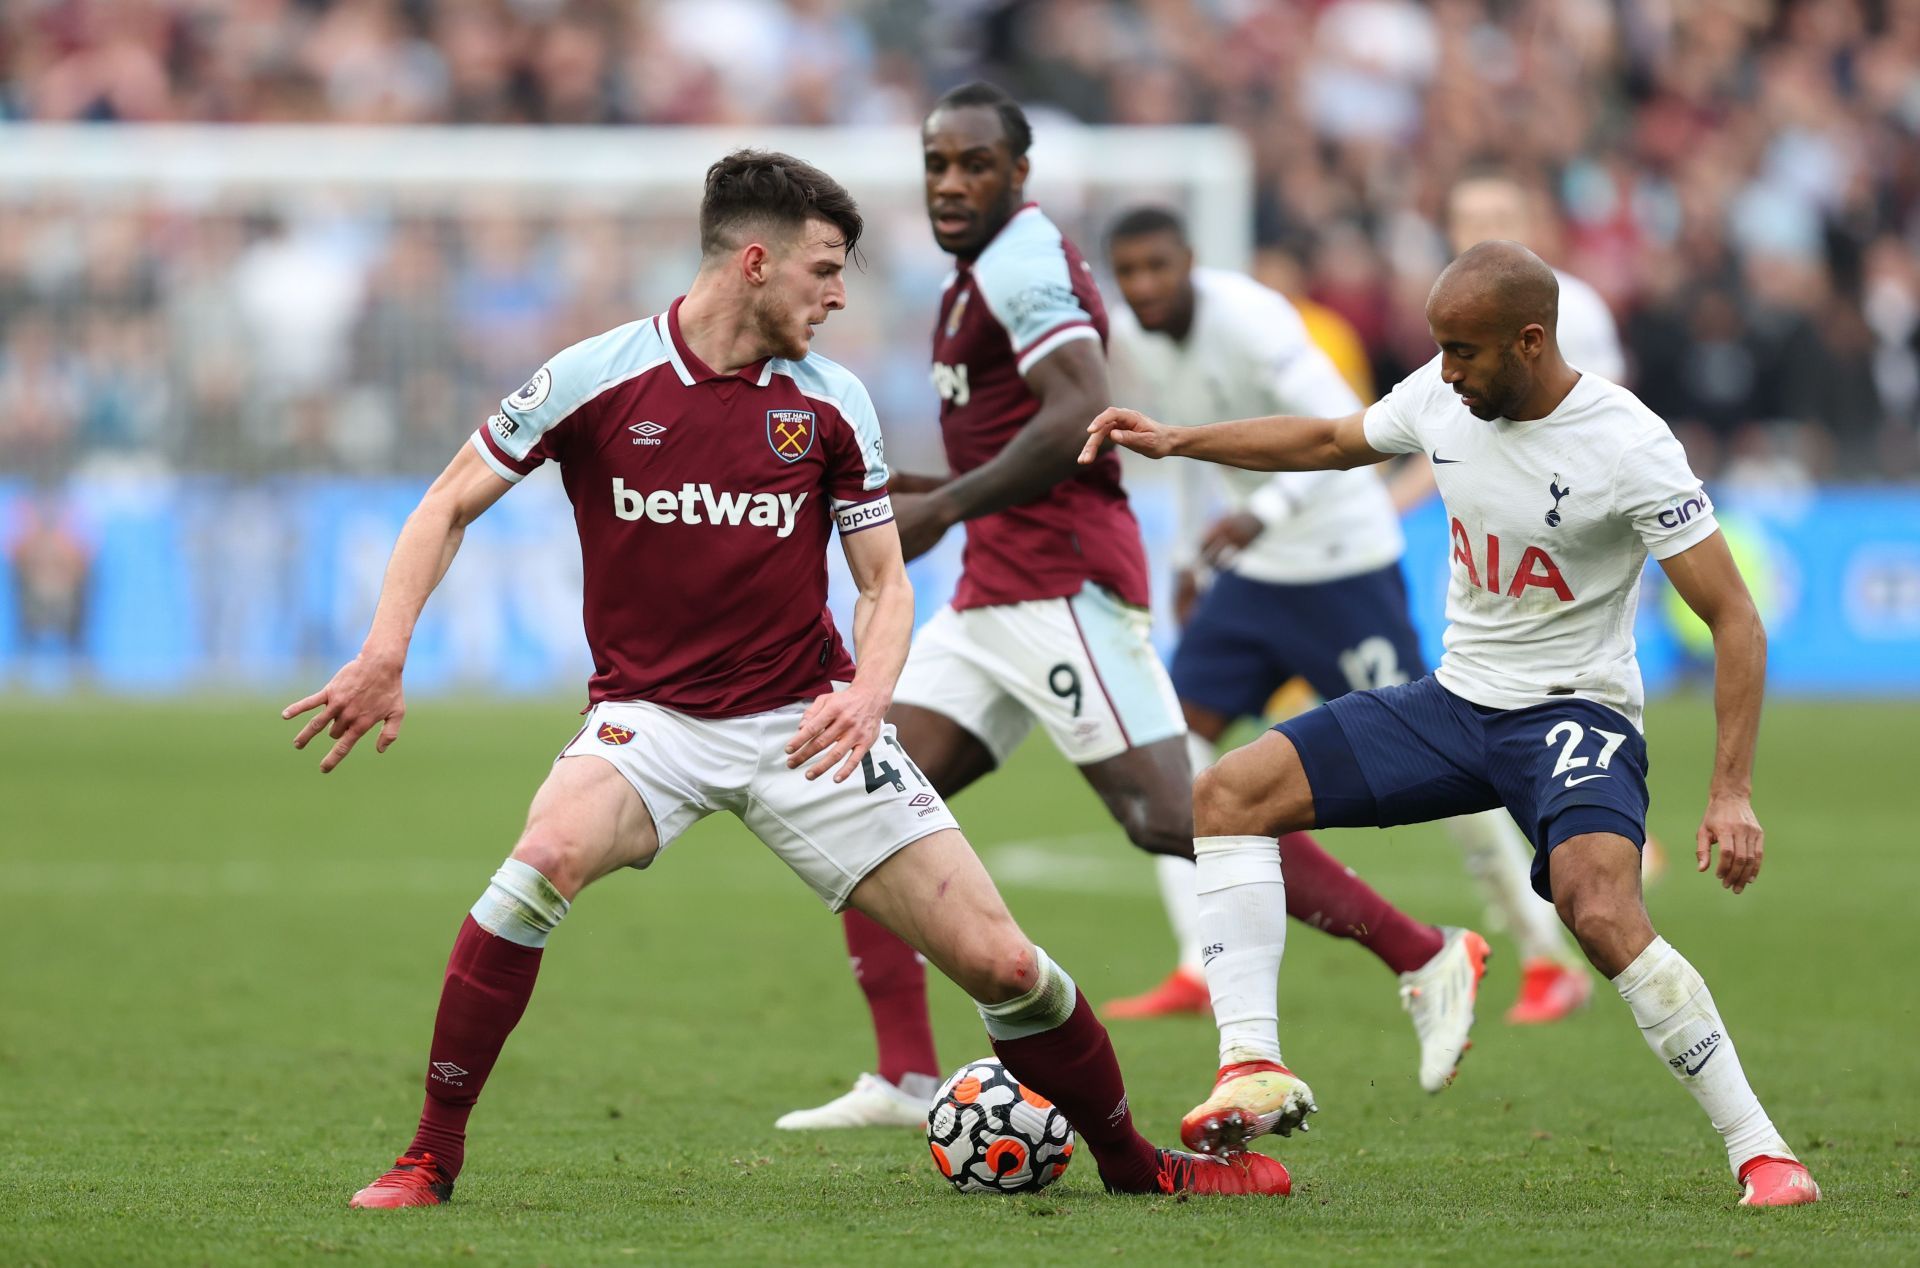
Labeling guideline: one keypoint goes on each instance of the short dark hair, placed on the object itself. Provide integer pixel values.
(1013, 120)
(750, 188)
(1141, 222)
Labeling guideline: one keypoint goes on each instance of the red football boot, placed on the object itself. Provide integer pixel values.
(1183, 992)
(1549, 991)
(1770, 1181)
(1250, 1098)
(411, 1182)
(1240, 1174)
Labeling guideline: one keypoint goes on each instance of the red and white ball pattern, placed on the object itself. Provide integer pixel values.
(989, 1134)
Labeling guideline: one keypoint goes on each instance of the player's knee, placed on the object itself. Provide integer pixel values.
(1222, 806)
(1158, 825)
(556, 854)
(1602, 923)
(1002, 968)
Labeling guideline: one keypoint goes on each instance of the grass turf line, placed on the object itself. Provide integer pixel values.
(221, 970)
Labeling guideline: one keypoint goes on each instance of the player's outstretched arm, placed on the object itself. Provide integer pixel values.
(1071, 385)
(1280, 443)
(365, 692)
(841, 726)
(1710, 582)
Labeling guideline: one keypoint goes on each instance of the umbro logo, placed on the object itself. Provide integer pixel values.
(448, 1072)
(922, 799)
(647, 433)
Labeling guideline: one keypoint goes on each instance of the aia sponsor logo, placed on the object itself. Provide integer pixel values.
(790, 432)
(611, 734)
(1536, 567)
(647, 433)
(1675, 516)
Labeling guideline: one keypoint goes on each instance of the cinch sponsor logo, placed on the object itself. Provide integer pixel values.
(951, 382)
(702, 504)
(1675, 516)
(1536, 567)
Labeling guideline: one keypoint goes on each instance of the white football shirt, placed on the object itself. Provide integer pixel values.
(1249, 355)
(1588, 336)
(1551, 522)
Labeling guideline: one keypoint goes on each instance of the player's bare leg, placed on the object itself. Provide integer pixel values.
(891, 974)
(1554, 983)
(585, 822)
(1596, 887)
(937, 897)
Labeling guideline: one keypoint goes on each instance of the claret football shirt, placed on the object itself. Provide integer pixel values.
(704, 503)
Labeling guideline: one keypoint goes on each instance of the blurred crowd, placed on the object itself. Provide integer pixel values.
(1739, 179)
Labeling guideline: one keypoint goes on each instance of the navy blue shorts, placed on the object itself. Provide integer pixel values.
(1248, 637)
(1417, 752)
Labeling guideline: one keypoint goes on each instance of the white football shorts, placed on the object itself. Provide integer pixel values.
(1082, 667)
(832, 835)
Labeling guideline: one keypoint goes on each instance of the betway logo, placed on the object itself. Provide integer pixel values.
(701, 504)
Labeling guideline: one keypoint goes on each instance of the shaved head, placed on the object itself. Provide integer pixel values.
(1494, 312)
(1499, 282)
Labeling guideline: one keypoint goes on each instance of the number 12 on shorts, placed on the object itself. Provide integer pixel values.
(882, 774)
(1572, 733)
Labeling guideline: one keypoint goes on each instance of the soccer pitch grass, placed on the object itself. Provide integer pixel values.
(221, 971)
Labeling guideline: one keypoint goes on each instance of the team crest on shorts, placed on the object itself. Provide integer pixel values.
(790, 432)
(611, 734)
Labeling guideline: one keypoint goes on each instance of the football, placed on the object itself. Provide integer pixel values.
(989, 1134)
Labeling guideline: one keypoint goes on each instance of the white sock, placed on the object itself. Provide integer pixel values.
(1500, 858)
(520, 905)
(1676, 1014)
(1243, 926)
(1182, 900)
(1176, 877)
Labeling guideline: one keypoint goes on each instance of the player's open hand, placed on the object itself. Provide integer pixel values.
(363, 694)
(1130, 429)
(840, 726)
(1730, 823)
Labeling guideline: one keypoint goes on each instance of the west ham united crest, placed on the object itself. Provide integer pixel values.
(611, 734)
(790, 432)
(958, 311)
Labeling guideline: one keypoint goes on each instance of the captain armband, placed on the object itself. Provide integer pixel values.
(852, 517)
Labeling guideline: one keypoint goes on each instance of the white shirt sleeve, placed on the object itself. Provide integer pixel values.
(1028, 288)
(1296, 378)
(1393, 422)
(1588, 336)
(1661, 497)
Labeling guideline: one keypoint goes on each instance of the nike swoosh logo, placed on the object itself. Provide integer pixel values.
(1438, 459)
(1571, 781)
(1711, 1053)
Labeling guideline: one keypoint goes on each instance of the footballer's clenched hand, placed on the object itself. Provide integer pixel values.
(1730, 823)
(362, 694)
(1130, 429)
(840, 726)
